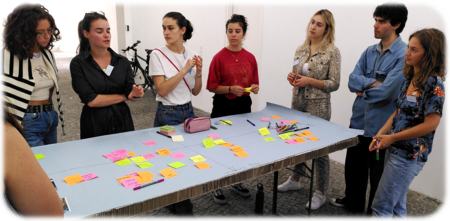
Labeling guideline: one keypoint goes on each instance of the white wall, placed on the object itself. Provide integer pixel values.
(284, 24)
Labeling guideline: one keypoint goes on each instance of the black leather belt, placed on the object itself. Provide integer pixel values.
(39, 108)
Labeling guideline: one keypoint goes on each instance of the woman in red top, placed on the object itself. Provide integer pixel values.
(231, 71)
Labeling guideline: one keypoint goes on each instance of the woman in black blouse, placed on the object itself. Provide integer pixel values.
(103, 80)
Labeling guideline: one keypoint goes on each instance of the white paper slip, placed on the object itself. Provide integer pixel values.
(177, 138)
(295, 62)
(411, 98)
(109, 70)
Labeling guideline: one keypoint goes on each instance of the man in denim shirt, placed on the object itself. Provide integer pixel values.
(376, 80)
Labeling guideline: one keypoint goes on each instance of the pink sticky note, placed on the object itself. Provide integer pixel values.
(117, 158)
(89, 176)
(122, 151)
(108, 155)
(130, 183)
(149, 143)
(148, 156)
(178, 155)
(214, 136)
(292, 141)
(285, 121)
(134, 173)
(265, 119)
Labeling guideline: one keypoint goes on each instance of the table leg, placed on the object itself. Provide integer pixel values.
(275, 191)
(311, 186)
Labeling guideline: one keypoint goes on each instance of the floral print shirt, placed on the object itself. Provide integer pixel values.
(411, 111)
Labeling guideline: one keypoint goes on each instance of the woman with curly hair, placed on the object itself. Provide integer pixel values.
(408, 134)
(30, 73)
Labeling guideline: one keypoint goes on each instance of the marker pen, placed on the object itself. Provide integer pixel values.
(251, 123)
(148, 184)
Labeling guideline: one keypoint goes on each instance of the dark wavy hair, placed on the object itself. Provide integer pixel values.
(433, 60)
(6, 114)
(235, 18)
(396, 13)
(182, 22)
(19, 35)
(85, 25)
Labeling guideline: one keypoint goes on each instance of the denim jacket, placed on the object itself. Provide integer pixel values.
(371, 111)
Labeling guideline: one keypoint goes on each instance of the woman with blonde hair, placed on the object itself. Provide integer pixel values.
(315, 74)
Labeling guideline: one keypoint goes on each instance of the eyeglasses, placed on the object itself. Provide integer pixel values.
(49, 31)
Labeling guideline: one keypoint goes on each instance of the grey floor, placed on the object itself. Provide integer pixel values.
(290, 204)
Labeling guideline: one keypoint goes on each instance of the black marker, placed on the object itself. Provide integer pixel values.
(164, 134)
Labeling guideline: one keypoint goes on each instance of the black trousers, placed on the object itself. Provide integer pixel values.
(361, 164)
(222, 106)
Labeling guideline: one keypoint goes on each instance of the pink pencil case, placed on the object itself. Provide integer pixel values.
(197, 124)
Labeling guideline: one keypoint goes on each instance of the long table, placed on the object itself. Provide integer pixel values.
(106, 197)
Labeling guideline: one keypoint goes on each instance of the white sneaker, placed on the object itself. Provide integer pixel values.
(317, 200)
(290, 184)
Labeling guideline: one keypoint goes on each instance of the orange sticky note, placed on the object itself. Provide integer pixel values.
(131, 154)
(227, 144)
(74, 179)
(145, 176)
(313, 138)
(294, 121)
(124, 178)
(168, 173)
(237, 148)
(202, 165)
(139, 179)
(301, 134)
(275, 117)
(299, 140)
(164, 152)
(307, 133)
(241, 154)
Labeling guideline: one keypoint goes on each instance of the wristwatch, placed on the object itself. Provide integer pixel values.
(229, 89)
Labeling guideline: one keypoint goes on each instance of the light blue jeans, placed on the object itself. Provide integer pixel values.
(390, 198)
(172, 115)
(40, 128)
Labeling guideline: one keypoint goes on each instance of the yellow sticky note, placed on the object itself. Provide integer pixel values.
(177, 164)
(168, 173)
(163, 152)
(124, 178)
(74, 179)
(269, 139)
(123, 162)
(39, 156)
(197, 158)
(241, 154)
(146, 176)
(294, 121)
(264, 131)
(138, 159)
(208, 142)
(144, 165)
(248, 89)
(131, 154)
(177, 138)
(275, 117)
(313, 138)
(219, 141)
(307, 133)
(226, 144)
(299, 140)
(301, 134)
(203, 165)
(285, 137)
(237, 148)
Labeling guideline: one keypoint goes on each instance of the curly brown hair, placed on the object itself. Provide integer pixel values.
(19, 35)
(433, 61)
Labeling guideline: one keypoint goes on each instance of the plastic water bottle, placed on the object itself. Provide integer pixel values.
(259, 203)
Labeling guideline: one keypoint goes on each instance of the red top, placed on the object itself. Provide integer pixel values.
(226, 71)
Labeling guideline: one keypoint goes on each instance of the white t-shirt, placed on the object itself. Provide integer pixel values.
(304, 69)
(160, 65)
(43, 79)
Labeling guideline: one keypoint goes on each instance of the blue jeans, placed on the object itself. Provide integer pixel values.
(390, 198)
(172, 115)
(40, 128)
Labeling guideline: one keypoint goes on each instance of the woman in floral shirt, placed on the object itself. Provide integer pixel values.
(408, 133)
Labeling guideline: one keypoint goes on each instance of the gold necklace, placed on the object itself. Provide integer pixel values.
(238, 55)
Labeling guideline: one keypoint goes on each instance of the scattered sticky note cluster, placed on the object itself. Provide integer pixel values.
(77, 178)
(135, 179)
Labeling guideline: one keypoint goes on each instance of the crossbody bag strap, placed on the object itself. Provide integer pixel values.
(174, 66)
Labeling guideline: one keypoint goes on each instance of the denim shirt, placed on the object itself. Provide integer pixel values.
(371, 111)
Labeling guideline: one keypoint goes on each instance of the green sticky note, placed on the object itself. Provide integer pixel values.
(167, 128)
(39, 156)
(219, 142)
(197, 158)
(123, 162)
(208, 142)
(144, 165)
(138, 159)
(269, 139)
(264, 131)
(177, 164)
(285, 137)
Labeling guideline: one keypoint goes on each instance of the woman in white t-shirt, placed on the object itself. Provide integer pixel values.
(176, 72)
